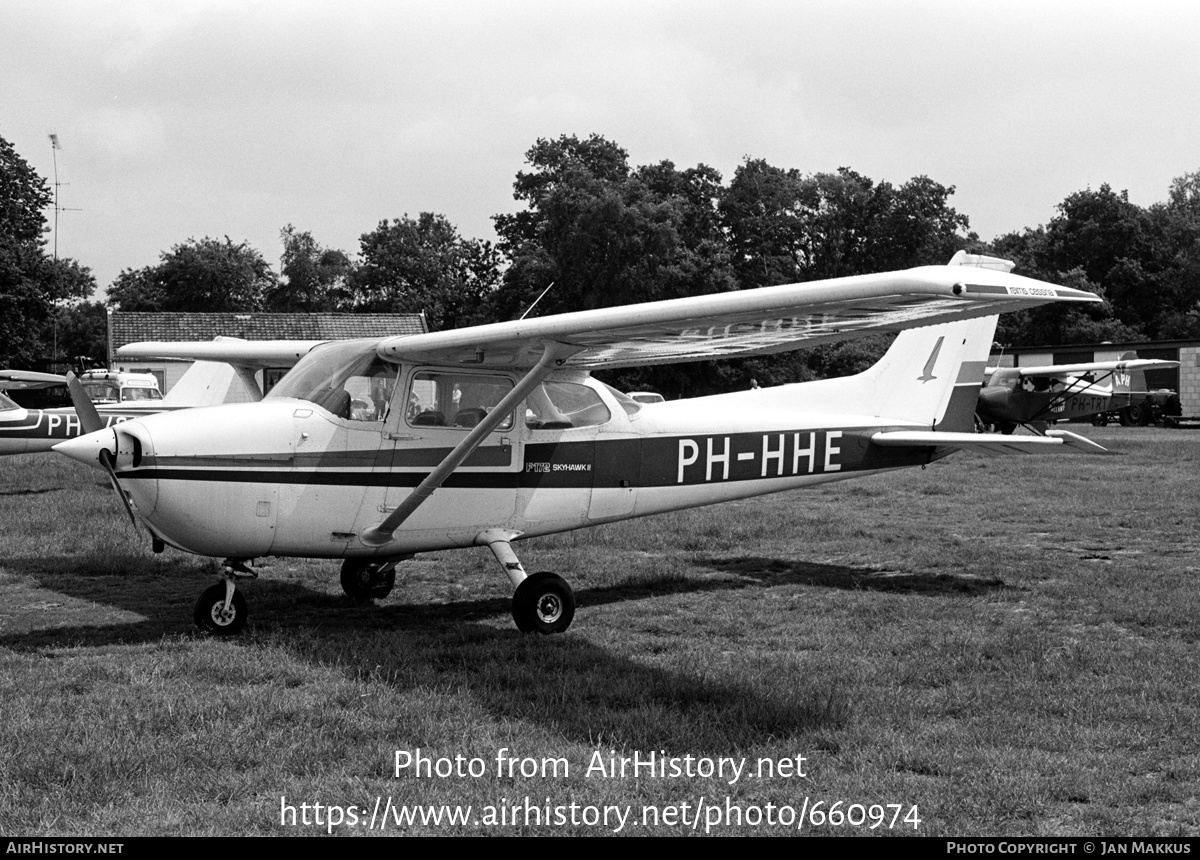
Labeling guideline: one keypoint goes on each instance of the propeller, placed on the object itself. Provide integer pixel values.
(91, 421)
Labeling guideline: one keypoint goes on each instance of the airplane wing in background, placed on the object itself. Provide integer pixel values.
(240, 353)
(1088, 367)
(740, 323)
(23, 379)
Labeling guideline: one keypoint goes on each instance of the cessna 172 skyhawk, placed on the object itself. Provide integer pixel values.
(374, 450)
(1035, 396)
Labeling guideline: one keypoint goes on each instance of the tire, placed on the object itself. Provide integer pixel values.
(367, 580)
(1131, 416)
(543, 603)
(210, 615)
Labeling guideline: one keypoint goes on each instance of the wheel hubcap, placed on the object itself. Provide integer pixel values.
(549, 608)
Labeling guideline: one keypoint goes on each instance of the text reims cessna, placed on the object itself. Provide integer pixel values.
(373, 450)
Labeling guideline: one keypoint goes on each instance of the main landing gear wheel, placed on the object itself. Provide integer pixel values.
(212, 617)
(367, 580)
(1133, 416)
(543, 603)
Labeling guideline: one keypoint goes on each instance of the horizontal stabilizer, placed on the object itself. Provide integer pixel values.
(1074, 440)
(989, 443)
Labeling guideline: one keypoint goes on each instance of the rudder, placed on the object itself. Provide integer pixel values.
(932, 376)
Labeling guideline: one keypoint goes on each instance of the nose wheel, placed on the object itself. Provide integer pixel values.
(221, 610)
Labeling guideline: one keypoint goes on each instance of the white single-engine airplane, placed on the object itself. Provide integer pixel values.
(374, 450)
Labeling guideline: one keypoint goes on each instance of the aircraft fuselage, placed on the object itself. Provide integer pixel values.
(285, 477)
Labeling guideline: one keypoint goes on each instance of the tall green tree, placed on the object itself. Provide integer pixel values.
(312, 278)
(1145, 263)
(32, 284)
(605, 234)
(197, 275)
(784, 227)
(422, 264)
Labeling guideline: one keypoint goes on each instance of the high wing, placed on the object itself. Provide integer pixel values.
(747, 322)
(1087, 367)
(240, 357)
(235, 351)
(22, 379)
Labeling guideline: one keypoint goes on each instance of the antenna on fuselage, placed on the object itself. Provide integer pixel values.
(535, 301)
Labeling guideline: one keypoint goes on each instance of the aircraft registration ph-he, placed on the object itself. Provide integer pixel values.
(373, 450)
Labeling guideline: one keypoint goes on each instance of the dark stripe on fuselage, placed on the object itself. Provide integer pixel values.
(668, 461)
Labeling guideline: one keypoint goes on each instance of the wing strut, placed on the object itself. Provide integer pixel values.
(553, 356)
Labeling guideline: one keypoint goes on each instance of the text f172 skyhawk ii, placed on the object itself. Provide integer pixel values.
(373, 450)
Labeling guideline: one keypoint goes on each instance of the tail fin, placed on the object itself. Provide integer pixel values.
(1130, 383)
(929, 376)
(205, 383)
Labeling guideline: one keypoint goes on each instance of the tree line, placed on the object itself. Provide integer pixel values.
(595, 231)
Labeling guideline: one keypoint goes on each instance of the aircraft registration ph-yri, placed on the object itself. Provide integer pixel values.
(371, 451)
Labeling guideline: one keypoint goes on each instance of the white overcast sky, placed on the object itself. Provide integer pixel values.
(187, 119)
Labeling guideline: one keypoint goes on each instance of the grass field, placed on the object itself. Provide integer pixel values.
(1009, 645)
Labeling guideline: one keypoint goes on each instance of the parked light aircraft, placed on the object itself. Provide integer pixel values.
(1035, 396)
(205, 383)
(373, 450)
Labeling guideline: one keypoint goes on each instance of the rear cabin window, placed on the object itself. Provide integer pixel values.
(459, 400)
(562, 405)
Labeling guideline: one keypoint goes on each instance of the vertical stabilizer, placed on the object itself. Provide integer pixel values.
(931, 376)
(205, 383)
(1130, 383)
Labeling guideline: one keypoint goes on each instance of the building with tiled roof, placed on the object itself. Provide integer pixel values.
(128, 327)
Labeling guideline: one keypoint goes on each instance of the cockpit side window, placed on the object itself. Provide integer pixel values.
(347, 379)
(7, 403)
(449, 399)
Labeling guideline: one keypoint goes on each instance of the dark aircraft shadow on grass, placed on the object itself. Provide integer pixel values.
(773, 572)
(165, 599)
(566, 683)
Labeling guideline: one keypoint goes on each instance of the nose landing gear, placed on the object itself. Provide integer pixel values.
(221, 609)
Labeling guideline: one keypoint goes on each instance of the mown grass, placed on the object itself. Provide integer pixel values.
(1009, 644)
